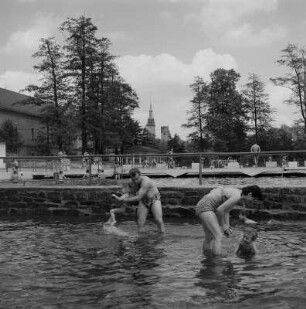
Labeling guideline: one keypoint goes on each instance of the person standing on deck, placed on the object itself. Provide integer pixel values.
(255, 148)
(213, 211)
(148, 198)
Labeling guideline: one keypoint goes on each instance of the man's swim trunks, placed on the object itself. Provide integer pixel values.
(149, 201)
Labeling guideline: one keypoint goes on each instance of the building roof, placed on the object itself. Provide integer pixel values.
(14, 102)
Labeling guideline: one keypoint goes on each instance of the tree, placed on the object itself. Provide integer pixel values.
(298, 136)
(102, 73)
(124, 101)
(147, 138)
(81, 46)
(10, 135)
(294, 60)
(176, 144)
(278, 139)
(196, 114)
(105, 102)
(82, 93)
(257, 105)
(226, 115)
(53, 93)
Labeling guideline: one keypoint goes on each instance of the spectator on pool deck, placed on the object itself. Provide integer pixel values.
(213, 211)
(255, 148)
(15, 165)
(148, 199)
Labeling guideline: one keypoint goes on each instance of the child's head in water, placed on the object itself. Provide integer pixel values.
(249, 235)
(246, 247)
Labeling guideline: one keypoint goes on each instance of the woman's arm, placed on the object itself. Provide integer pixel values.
(224, 209)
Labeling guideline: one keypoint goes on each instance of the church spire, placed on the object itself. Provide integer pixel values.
(151, 122)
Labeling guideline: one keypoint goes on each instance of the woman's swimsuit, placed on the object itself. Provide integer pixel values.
(215, 198)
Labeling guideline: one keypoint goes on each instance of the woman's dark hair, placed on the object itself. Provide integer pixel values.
(255, 190)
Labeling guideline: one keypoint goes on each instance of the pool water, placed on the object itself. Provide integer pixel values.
(78, 264)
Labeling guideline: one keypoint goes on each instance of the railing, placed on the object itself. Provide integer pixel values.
(116, 166)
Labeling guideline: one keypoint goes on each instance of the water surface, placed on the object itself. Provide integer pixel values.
(76, 264)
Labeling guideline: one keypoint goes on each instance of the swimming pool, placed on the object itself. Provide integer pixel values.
(76, 264)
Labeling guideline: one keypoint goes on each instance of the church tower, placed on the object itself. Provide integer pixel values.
(151, 122)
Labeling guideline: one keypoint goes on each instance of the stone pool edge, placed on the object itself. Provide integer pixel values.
(178, 202)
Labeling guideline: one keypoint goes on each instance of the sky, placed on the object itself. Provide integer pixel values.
(162, 45)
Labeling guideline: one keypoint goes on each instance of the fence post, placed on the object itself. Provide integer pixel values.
(89, 170)
(200, 170)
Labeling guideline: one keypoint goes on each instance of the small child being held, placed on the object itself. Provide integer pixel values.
(125, 190)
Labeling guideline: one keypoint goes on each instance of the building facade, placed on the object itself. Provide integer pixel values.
(25, 118)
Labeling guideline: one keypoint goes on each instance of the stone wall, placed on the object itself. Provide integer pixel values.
(279, 203)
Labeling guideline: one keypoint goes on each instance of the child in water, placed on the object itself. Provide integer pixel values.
(245, 219)
(246, 247)
(125, 190)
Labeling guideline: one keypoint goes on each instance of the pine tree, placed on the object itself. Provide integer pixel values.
(197, 112)
(257, 105)
(53, 94)
(81, 49)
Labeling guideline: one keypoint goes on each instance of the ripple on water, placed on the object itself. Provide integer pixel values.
(76, 265)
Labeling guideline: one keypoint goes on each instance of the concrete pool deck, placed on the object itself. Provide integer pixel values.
(30, 174)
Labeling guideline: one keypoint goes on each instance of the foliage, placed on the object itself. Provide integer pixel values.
(226, 115)
(82, 92)
(52, 94)
(196, 114)
(294, 60)
(277, 139)
(146, 138)
(10, 135)
(176, 144)
(257, 106)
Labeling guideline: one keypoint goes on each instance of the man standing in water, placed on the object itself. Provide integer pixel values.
(148, 198)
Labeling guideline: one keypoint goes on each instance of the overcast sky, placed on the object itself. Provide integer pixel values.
(163, 44)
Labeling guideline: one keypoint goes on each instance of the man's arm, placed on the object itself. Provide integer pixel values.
(140, 194)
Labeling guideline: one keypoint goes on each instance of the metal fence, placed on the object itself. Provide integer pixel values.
(117, 166)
